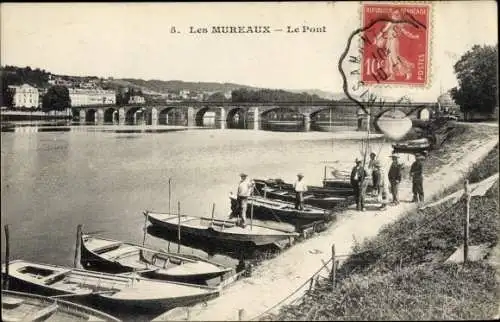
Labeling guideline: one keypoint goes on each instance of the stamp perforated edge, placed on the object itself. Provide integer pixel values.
(430, 49)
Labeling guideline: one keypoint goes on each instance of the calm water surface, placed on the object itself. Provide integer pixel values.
(51, 182)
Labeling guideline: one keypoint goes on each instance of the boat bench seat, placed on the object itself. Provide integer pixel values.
(226, 224)
(10, 302)
(40, 314)
(118, 252)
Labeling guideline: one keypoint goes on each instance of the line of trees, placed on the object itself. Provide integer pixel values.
(123, 94)
(477, 90)
(272, 95)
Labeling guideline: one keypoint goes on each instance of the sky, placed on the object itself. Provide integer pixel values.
(134, 40)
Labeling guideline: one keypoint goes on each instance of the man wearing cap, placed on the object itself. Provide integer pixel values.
(358, 175)
(300, 187)
(417, 175)
(245, 188)
(394, 176)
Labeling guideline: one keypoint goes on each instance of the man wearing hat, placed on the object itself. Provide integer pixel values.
(417, 175)
(358, 175)
(300, 187)
(245, 188)
(394, 176)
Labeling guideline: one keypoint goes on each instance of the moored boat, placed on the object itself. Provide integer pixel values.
(412, 146)
(338, 191)
(126, 291)
(218, 229)
(265, 208)
(99, 253)
(20, 306)
(315, 196)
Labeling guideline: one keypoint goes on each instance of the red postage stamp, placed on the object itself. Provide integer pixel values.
(395, 43)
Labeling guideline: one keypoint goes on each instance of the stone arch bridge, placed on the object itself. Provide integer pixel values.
(192, 114)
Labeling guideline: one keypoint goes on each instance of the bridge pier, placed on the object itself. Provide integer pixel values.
(121, 116)
(252, 118)
(82, 116)
(191, 121)
(307, 122)
(99, 116)
(154, 116)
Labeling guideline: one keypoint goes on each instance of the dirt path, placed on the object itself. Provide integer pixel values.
(277, 278)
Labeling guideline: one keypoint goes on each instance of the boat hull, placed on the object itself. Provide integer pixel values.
(137, 294)
(64, 310)
(91, 260)
(336, 189)
(220, 233)
(263, 211)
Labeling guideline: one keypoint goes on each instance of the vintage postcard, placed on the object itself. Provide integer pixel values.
(327, 160)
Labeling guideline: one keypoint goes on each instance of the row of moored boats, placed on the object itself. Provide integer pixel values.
(125, 274)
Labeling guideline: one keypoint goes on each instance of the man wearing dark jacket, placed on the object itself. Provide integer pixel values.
(417, 175)
(358, 175)
(394, 176)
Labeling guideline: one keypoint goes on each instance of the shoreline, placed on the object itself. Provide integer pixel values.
(277, 278)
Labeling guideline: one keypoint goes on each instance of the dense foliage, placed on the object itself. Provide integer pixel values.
(270, 95)
(477, 89)
(56, 99)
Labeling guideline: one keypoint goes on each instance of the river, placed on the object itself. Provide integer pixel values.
(53, 181)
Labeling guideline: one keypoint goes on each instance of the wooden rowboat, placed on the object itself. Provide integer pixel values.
(221, 230)
(319, 197)
(112, 256)
(20, 306)
(264, 208)
(120, 290)
(328, 191)
(412, 146)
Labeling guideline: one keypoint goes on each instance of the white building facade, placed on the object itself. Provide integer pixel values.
(86, 97)
(25, 96)
(136, 99)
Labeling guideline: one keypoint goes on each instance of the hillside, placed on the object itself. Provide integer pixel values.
(160, 86)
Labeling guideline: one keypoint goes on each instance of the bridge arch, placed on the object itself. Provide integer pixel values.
(111, 115)
(172, 115)
(91, 115)
(218, 115)
(237, 117)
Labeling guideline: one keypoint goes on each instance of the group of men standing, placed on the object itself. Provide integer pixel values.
(360, 182)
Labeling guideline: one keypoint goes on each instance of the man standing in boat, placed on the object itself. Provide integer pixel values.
(300, 187)
(417, 175)
(358, 175)
(395, 178)
(245, 188)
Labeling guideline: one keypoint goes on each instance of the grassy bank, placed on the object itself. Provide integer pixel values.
(400, 274)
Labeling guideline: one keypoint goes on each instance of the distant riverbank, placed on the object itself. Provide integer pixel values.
(7, 116)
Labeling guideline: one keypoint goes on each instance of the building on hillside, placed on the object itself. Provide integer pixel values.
(184, 93)
(136, 99)
(228, 94)
(25, 96)
(85, 97)
(446, 103)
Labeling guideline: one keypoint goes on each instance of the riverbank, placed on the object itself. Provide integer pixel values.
(410, 268)
(277, 278)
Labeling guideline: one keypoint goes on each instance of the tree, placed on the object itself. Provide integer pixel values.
(217, 97)
(6, 96)
(477, 89)
(56, 99)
